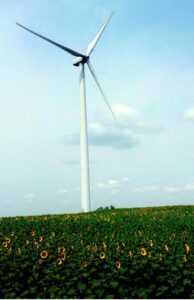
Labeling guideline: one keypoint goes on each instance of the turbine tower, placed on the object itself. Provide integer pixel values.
(80, 60)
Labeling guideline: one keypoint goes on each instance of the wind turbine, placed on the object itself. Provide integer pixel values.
(81, 60)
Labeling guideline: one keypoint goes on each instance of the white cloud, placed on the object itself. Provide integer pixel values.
(125, 179)
(107, 133)
(190, 186)
(170, 189)
(29, 196)
(100, 185)
(189, 114)
(113, 183)
(151, 188)
(62, 191)
(132, 119)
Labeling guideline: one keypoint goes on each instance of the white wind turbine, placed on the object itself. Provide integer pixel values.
(81, 60)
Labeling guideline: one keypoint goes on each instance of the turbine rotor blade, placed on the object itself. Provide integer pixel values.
(98, 84)
(71, 51)
(96, 38)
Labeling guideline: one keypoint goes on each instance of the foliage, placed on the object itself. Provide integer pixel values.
(120, 253)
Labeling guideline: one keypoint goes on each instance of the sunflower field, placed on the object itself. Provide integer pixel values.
(119, 253)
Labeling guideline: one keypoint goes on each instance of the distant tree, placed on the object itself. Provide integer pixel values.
(112, 207)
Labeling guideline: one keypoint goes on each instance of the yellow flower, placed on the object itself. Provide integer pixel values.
(104, 246)
(59, 261)
(5, 244)
(59, 250)
(130, 254)
(62, 249)
(149, 254)
(52, 234)
(102, 255)
(33, 233)
(151, 243)
(44, 254)
(143, 251)
(88, 248)
(84, 264)
(160, 257)
(95, 248)
(19, 251)
(184, 258)
(118, 264)
(187, 248)
(166, 247)
(27, 242)
(12, 233)
(63, 256)
(40, 238)
(7, 240)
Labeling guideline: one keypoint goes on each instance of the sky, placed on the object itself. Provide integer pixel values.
(144, 62)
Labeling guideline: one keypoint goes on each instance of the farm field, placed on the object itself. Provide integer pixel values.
(118, 253)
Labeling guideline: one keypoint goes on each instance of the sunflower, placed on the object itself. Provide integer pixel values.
(166, 247)
(149, 254)
(40, 238)
(63, 256)
(52, 234)
(130, 254)
(160, 257)
(118, 264)
(12, 233)
(59, 250)
(187, 248)
(88, 248)
(5, 244)
(27, 242)
(7, 240)
(62, 249)
(44, 254)
(143, 251)
(95, 248)
(33, 233)
(84, 264)
(102, 255)
(19, 251)
(104, 246)
(184, 258)
(59, 261)
(151, 243)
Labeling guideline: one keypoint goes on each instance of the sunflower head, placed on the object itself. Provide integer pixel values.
(149, 254)
(40, 238)
(84, 264)
(5, 244)
(33, 233)
(160, 257)
(27, 242)
(63, 256)
(59, 261)
(130, 253)
(102, 255)
(166, 248)
(143, 252)
(44, 254)
(88, 248)
(118, 264)
(187, 248)
(95, 248)
(12, 233)
(151, 243)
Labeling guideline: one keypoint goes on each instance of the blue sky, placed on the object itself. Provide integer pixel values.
(144, 61)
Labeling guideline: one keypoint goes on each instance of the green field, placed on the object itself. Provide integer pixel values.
(119, 253)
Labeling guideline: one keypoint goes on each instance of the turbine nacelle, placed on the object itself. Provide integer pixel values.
(79, 59)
